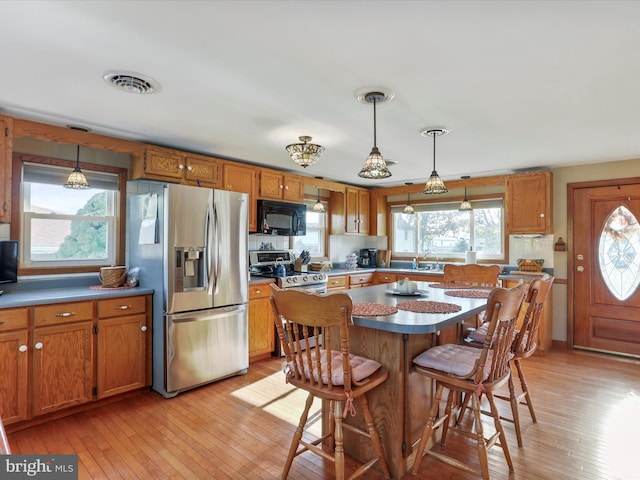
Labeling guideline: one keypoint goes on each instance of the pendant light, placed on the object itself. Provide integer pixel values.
(76, 179)
(465, 206)
(319, 206)
(434, 185)
(408, 209)
(375, 166)
(304, 154)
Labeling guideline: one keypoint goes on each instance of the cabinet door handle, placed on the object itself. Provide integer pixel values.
(189, 168)
(123, 307)
(65, 314)
(143, 328)
(38, 346)
(257, 292)
(22, 348)
(181, 166)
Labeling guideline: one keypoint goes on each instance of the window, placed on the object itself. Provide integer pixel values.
(61, 228)
(316, 238)
(441, 229)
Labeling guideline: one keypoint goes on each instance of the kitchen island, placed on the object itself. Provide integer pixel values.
(400, 405)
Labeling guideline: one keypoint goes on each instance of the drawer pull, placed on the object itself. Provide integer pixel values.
(123, 307)
(143, 328)
(38, 346)
(65, 314)
(1, 322)
(258, 291)
(22, 348)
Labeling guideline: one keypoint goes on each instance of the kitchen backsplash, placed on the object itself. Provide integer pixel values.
(531, 247)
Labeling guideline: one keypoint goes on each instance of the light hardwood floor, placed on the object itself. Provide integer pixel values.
(588, 408)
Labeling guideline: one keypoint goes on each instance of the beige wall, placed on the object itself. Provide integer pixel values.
(562, 177)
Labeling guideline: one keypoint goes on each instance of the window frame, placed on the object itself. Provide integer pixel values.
(17, 213)
(448, 201)
(310, 202)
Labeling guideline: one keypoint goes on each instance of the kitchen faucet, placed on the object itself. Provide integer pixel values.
(433, 254)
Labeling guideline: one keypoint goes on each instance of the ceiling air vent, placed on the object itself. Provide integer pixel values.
(131, 82)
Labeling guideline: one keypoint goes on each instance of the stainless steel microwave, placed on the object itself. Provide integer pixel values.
(281, 218)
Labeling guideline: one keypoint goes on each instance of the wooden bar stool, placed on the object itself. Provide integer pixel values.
(471, 275)
(524, 345)
(336, 376)
(469, 371)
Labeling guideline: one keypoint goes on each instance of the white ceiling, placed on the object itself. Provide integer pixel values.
(520, 84)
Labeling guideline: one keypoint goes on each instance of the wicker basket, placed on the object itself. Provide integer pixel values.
(112, 276)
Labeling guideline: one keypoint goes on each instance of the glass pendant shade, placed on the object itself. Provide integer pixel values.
(304, 154)
(408, 209)
(465, 206)
(435, 185)
(76, 179)
(319, 206)
(375, 166)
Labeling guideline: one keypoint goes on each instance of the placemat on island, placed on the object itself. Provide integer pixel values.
(457, 285)
(469, 293)
(429, 306)
(373, 309)
(102, 287)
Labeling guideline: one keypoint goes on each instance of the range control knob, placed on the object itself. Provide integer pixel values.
(294, 279)
(305, 279)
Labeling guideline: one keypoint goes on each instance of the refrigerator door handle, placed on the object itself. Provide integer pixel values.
(209, 249)
(217, 248)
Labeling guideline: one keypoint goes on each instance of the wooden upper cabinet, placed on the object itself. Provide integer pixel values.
(170, 165)
(6, 147)
(242, 178)
(357, 211)
(200, 170)
(529, 204)
(281, 186)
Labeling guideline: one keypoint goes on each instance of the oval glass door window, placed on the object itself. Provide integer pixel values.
(619, 253)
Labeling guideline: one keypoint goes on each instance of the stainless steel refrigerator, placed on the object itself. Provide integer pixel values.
(190, 244)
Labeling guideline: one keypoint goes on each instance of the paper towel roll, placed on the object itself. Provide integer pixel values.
(470, 257)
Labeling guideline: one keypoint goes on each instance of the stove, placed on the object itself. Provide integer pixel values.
(263, 263)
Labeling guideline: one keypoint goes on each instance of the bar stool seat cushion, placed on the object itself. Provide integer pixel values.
(451, 358)
(361, 367)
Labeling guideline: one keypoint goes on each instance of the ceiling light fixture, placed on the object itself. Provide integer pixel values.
(76, 179)
(319, 206)
(375, 166)
(304, 154)
(408, 209)
(465, 206)
(434, 185)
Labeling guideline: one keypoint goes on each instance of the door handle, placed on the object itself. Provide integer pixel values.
(580, 268)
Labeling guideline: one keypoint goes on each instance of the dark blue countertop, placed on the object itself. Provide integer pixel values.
(61, 295)
(410, 322)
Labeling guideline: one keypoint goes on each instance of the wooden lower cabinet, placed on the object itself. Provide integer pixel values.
(15, 374)
(57, 356)
(123, 336)
(62, 366)
(360, 280)
(380, 277)
(338, 282)
(261, 322)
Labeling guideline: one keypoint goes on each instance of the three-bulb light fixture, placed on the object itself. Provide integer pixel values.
(305, 154)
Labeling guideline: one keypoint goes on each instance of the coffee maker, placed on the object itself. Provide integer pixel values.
(368, 258)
